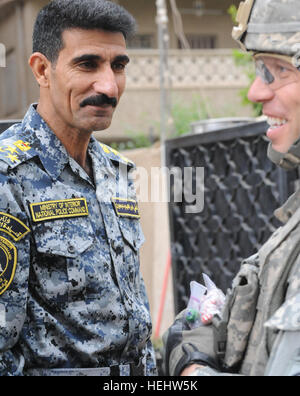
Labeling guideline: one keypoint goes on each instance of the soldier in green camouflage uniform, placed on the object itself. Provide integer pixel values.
(258, 331)
(72, 299)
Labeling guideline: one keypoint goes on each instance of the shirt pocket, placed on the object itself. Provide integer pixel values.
(62, 250)
(133, 239)
(132, 233)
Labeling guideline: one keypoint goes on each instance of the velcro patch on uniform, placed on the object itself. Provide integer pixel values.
(13, 226)
(63, 208)
(126, 207)
(8, 263)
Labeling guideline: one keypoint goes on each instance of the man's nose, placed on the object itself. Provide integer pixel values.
(106, 83)
(260, 92)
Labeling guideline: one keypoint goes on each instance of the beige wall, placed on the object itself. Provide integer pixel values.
(154, 252)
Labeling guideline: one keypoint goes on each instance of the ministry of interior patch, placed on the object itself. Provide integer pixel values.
(8, 263)
(58, 209)
(13, 226)
(126, 207)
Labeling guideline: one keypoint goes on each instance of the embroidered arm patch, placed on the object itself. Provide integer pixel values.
(8, 263)
(126, 207)
(12, 226)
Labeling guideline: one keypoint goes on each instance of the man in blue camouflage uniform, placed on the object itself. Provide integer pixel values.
(72, 300)
(258, 331)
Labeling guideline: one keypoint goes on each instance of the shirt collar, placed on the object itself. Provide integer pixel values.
(46, 144)
(54, 155)
(289, 208)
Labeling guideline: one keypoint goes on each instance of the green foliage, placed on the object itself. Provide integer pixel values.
(136, 140)
(184, 115)
(232, 11)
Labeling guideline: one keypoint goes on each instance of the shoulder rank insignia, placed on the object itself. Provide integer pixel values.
(63, 208)
(8, 263)
(115, 155)
(12, 152)
(126, 207)
(12, 226)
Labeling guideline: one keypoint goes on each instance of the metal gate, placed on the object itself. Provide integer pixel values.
(242, 188)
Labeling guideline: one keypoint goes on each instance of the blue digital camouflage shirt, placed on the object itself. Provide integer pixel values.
(71, 293)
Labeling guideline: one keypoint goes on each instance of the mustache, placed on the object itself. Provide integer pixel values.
(99, 100)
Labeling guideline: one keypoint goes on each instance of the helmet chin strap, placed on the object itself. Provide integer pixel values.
(287, 161)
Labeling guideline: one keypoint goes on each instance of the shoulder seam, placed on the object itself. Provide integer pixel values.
(114, 155)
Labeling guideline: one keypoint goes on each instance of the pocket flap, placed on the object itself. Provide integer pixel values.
(67, 237)
(132, 233)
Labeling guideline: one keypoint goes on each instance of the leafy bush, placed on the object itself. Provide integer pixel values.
(183, 116)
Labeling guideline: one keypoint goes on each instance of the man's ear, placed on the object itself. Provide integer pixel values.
(40, 67)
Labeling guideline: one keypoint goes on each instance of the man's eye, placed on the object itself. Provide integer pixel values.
(118, 67)
(88, 65)
(282, 71)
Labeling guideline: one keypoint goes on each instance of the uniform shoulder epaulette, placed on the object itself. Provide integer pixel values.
(114, 155)
(14, 150)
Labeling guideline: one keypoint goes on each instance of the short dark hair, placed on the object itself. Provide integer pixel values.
(60, 15)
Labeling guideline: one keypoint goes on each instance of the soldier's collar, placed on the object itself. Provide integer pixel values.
(46, 144)
(289, 208)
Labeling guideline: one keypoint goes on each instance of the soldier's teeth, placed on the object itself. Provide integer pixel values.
(275, 122)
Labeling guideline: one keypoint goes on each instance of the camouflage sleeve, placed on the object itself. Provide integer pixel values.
(285, 354)
(150, 360)
(14, 270)
(151, 369)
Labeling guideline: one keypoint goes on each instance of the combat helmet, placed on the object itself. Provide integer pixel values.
(273, 27)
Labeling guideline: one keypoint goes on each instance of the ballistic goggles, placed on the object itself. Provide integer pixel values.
(275, 70)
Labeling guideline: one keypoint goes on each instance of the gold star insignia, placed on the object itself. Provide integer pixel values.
(22, 146)
(11, 149)
(13, 158)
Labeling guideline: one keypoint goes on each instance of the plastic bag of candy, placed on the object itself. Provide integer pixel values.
(205, 302)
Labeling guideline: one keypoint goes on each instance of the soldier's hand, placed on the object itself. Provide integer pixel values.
(190, 369)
